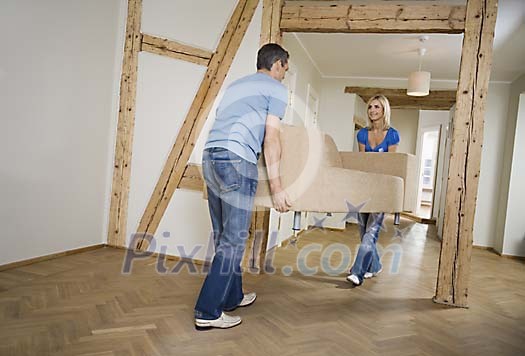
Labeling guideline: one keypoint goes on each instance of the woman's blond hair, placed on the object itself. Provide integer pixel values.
(386, 110)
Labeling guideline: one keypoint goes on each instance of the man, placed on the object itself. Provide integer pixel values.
(249, 113)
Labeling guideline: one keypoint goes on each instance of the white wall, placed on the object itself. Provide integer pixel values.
(491, 164)
(504, 237)
(514, 237)
(336, 114)
(517, 87)
(405, 121)
(57, 97)
(307, 73)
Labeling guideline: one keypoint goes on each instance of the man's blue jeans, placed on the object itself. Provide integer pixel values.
(367, 259)
(231, 182)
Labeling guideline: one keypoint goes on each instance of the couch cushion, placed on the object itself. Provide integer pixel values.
(392, 163)
(339, 188)
(331, 153)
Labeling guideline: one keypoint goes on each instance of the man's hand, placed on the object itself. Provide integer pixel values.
(281, 201)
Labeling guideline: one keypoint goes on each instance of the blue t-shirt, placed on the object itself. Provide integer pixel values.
(241, 115)
(391, 138)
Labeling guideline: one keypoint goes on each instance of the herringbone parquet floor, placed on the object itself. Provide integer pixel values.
(83, 305)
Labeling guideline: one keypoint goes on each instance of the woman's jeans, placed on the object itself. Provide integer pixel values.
(367, 259)
(231, 183)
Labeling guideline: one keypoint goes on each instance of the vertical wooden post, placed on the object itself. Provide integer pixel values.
(467, 138)
(276, 34)
(255, 254)
(271, 19)
(126, 122)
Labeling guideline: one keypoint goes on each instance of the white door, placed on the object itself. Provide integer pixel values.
(312, 107)
(427, 170)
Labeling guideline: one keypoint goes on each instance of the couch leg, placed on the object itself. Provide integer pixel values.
(397, 218)
(296, 225)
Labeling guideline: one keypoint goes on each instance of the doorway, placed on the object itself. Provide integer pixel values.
(427, 167)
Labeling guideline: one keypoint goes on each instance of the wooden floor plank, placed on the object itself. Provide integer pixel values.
(83, 305)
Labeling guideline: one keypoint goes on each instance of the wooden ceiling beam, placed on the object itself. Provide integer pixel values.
(398, 98)
(342, 16)
(173, 49)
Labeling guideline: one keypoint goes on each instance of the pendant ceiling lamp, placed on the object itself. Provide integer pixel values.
(419, 82)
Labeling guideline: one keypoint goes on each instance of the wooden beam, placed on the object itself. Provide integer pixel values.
(270, 25)
(255, 253)
(266, 22)
(173, 49)
(180, 153)
(467, 138)
(192, 178)
(398, 98)
(126, 121)
(342, 16)
(276, 35)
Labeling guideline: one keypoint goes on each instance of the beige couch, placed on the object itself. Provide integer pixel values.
(319, 178)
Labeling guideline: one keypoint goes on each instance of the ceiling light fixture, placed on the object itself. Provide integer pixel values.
(419, 82)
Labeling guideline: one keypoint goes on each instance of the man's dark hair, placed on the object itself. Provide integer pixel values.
(269, 54)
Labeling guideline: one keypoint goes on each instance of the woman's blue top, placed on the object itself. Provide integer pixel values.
(391, 138)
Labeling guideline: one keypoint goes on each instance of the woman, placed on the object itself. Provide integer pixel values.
(377, 137)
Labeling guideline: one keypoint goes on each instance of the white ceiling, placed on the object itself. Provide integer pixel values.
(395, 55)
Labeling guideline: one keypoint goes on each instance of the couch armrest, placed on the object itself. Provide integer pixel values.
(397, 164)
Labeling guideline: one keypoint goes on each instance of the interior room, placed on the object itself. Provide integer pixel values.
(107, 106)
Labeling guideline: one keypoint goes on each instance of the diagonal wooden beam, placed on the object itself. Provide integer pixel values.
(342, 16)
(464, 168)
(173, 49)
(398, 98)
(180, 153)
(126, 121)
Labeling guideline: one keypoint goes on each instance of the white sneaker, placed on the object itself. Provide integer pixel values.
(248, 299)
(225, 321)
(372, 274)
(354, 279)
